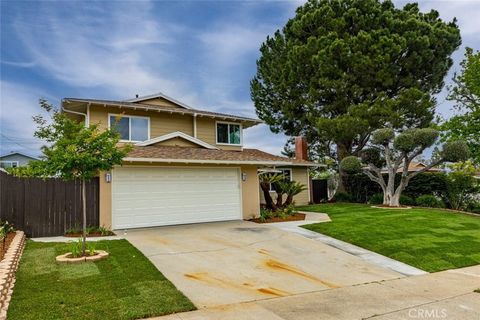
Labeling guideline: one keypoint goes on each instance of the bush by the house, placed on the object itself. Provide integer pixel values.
(430, 201)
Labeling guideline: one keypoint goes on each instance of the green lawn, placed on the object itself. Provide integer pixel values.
(429, 239)
(124, 286)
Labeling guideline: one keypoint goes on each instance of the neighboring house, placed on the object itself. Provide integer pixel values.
(417, 166)
(187, 165)
(15, 159)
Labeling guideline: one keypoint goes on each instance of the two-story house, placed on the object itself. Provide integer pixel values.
(186, 166)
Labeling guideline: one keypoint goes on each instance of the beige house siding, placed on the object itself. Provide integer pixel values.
(160, 123)
(177, 142)
(299, 175)
(160, 102)
(105, 206)
(163, 123)
(250, 197)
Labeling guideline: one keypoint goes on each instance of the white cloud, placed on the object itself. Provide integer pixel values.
(18, 104)
(107, 49)
(260, 137)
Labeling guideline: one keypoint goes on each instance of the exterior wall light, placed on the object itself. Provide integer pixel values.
(108, 177)
(244, 176)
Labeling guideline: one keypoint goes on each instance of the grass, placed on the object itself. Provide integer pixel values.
(429, 239)
(124, 286)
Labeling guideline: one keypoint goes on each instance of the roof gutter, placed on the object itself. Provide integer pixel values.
(78, 113)
(180, 111)
(195, 161)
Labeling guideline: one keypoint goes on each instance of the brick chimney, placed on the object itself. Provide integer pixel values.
(301, 150)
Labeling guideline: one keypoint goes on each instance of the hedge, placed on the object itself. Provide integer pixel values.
(361, 188)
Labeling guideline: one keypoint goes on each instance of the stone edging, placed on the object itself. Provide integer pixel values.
(8, 267)
(100, 255)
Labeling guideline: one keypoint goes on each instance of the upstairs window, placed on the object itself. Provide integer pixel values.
(130, 128)
(229, 133)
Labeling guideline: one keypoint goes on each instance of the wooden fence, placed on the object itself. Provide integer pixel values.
(46, 207)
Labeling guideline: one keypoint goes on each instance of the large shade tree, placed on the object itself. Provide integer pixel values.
(465, 92)
(341, 69)
(390, 153)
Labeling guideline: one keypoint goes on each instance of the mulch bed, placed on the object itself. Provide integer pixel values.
(4, 245)
(295, 217)
(90, 235)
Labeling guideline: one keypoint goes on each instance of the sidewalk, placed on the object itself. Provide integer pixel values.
(443, 295)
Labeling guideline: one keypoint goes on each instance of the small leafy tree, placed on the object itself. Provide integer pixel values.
(396, 152)
(75, 151)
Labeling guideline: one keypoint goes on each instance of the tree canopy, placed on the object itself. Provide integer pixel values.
(72, 150)
(341, 69)
(466, 94)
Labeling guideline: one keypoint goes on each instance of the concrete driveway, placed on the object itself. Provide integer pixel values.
(230, 262)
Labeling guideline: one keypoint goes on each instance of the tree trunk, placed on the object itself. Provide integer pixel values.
(288, 201)
(84, 209)
(266, 194)
(279, 199)
(342, 152)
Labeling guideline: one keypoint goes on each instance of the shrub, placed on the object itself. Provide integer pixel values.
(406, 200)
(360, 187)
(377, 198)
(461, 190)
(105, 231)
(426, 183)
(91, 247)
(6, 227)
(265, 214)
(75, 247)
(342, 197)
(351, 164)
(474, 207)
(430, 201)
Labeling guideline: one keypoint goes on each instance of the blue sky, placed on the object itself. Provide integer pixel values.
(200, 52)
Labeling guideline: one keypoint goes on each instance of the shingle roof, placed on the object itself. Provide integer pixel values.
(201, 155)
(142, 106)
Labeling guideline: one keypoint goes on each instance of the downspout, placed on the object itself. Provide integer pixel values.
(79, 113)
(194, 125)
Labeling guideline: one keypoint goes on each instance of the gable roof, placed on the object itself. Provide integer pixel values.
(20, 153)
(159, 95)
(69, 103)
(170, 154)
(176, 134)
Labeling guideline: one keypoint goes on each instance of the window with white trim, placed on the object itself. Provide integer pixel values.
(287, 176)
(8, 164)
(130, 128)
(229, 133)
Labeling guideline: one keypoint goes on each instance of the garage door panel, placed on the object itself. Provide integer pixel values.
(151, 196)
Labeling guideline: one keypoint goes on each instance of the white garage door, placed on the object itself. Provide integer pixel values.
(148, 196)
